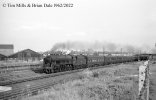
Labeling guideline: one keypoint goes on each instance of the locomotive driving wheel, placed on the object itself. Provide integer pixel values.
(46, 70)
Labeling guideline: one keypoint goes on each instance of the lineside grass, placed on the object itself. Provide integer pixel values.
(116, 83)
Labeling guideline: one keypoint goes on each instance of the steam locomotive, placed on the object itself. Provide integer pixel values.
(59, 62)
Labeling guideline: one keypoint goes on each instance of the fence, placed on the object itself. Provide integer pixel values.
(144, 81)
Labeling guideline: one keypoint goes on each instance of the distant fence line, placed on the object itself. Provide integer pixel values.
(144, 81)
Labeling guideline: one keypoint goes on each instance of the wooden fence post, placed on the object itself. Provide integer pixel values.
(144, 81)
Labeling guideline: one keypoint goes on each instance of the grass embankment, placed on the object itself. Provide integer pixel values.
(116, 83)
(152, 89)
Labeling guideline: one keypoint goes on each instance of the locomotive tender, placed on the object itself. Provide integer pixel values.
(59, 62)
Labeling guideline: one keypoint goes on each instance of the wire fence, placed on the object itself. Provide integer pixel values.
(144, 81)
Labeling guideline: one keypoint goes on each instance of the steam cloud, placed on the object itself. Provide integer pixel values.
(97, 46)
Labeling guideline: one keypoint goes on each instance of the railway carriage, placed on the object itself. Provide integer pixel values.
(107, 60)
(95, 61)
(140, 57)
(80, 61)
(113, 59)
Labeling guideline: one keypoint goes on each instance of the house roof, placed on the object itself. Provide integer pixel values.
(6, 46)
(25, 51)
(1, 55)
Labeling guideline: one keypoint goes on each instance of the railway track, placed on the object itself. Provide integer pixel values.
(46, 82)
(17, 94)
(5, 83)
(5, 69)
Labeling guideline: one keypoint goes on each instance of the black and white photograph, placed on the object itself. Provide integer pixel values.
(77, 50)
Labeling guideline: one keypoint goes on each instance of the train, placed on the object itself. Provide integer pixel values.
(58, 62)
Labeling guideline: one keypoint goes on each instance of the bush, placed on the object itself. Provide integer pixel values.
(95, 74)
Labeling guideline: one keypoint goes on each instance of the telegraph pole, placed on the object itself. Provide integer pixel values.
(121, 56)
(103, 56)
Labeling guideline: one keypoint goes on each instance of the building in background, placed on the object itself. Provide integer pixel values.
(6, 49)
(26, 55)
(2, 57)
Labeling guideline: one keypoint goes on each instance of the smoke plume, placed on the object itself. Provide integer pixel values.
(96, 46)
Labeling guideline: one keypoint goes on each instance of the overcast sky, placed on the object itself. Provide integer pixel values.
(117, 21)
